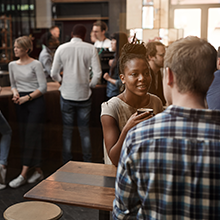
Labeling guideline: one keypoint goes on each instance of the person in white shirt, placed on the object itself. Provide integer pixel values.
(99, 29)
(76, 57)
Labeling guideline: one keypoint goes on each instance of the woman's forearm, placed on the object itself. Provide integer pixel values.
(36, 94)
(115, 151)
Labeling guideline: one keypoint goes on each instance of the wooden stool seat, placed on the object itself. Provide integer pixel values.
(33, 210)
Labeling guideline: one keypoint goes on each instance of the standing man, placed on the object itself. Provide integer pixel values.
(76, 57)
(99, 29)
(213, 94)
(170, 164)
(155, 56)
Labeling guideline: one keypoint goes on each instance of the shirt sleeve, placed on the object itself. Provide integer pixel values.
(96, 69)
(109, 108)
(11, 76)
(56, 67)
(127, 202)
(41, 78)
(47, 63)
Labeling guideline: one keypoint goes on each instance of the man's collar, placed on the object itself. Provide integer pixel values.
(74, 39)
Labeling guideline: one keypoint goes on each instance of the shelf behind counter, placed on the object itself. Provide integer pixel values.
(52, 138)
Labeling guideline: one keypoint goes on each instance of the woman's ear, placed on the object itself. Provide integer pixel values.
(122, 77)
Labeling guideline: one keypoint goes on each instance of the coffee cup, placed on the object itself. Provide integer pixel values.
(142, 110)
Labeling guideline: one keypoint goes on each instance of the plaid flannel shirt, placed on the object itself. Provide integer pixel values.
(170, 167)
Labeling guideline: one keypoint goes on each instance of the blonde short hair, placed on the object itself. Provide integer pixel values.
(25, 43)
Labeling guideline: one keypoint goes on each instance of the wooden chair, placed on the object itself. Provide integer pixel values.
(33, 210)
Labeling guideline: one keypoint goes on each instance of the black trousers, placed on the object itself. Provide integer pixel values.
(30, 116)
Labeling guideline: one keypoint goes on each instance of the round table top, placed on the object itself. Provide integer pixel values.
(34, 210)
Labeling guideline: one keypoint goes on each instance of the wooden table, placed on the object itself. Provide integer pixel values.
(90, 185)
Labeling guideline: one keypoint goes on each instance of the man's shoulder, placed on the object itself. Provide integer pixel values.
(76, 44)
(63, 46)
(44, 52)
(88, 44)
(214, 89)
(217, 74)
(175, 120)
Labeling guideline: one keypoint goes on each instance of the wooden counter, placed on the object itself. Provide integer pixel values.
(52, 138)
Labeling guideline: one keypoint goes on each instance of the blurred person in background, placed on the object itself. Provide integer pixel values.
(46, 55)
(99, 29)
(114, 84)
(155, 56)
(93, 37)
(213, 94)
(55, 31)
(5, 143)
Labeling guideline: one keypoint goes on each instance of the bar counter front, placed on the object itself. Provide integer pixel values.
(52, 138)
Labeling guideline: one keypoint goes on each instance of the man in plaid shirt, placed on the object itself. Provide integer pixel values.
(170, 164)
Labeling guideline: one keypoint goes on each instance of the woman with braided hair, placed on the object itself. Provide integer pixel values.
(119, 114)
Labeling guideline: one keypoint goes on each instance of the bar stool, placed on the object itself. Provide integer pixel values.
(33, 210)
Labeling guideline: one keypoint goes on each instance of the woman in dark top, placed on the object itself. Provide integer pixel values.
(118, 40)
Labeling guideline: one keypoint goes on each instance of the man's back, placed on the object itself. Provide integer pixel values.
(76, 57)
(174, 163)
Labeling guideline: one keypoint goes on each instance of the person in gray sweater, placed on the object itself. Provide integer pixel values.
(28, 84)
(50, 44)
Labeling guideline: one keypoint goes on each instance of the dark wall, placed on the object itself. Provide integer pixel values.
(66, 28)
(117, 16)
(114, 9)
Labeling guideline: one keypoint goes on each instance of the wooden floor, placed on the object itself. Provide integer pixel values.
(11, 196)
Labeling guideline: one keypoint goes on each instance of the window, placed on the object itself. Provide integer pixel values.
(189, 20)
(190, 2)
(214, 27)
(148, 17)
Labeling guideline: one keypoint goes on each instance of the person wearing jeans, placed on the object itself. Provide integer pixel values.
(75, 58)
(80, 109)
(5, 143)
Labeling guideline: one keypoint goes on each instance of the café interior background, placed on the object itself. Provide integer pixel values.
(166, 20)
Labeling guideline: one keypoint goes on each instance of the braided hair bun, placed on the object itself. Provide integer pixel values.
(131, 48)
